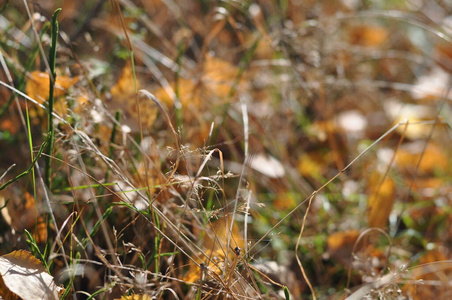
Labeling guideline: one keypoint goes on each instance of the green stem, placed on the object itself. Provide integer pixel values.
(52, 57)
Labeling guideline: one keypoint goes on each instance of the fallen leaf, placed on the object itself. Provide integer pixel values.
(187, 90)
(368, 35)
(38, 88)
(433, 159)
(219, 75)
(431, 86)
(24, 277)
(38, 85)
(433, 266)
(381, 199)
(208, 89)
(123, 97)
(415, 114)
(284, 201)
(340, 246)
(125, 86)
(267, 165)
(215, 247)
(321, 129)
(9, 125)
(22, 213)
(310, 165)
(218, 78)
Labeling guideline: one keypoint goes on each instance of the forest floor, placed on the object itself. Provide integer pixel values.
(225, 149)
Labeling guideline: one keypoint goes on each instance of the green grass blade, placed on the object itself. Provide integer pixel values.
(286, 293)
(97, 225)
(52, 58)
(36, 251)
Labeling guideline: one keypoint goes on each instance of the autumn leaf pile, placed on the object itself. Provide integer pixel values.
(226, 150)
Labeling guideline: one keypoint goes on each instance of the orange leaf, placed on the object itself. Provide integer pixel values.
(125, 86)
(340, 245)
(368, 35)
(188, 94)
(284, 201)
(215, 247)
(124, 98)
(38, 88)
(8, 125)
(380, 201)
(433, 159)
(23, 276)
(433, 267)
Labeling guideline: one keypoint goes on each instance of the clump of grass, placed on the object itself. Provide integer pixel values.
(232, 154)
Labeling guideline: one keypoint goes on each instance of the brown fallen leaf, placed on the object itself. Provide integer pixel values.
(22, 213)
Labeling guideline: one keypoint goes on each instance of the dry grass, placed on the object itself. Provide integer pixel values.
(230, 150)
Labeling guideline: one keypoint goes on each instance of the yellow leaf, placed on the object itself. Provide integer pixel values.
(125, 86)
(82, 101)
(310, 165)
(187, 90)
(38, 88)
(322, 129)
(123, 95)
(9, 125)
(220, 235)
(215, 247)
(217, 78)
(23, 276)
(38, 85)
(209, 89)
(380, 201)
(219, 75)
(433, 159)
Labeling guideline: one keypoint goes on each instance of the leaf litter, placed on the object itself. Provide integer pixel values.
(338, 99)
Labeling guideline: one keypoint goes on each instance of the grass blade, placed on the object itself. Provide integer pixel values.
(52, 57)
